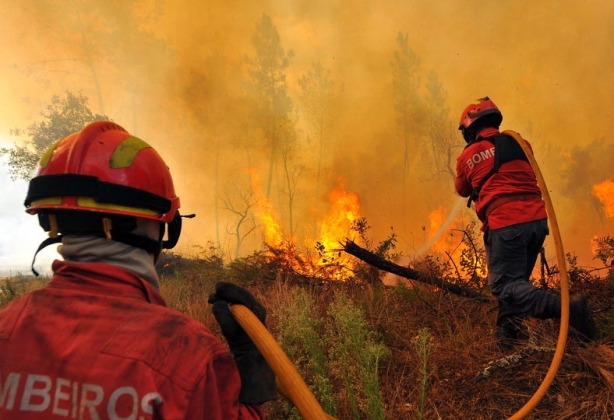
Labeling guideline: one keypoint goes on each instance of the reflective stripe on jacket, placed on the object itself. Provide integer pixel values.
(98, 342)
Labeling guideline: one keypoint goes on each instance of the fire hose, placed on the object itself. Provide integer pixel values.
(289, 381)
(564, 279)
(292, 386)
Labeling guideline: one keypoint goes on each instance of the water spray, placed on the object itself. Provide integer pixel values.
(442, 229)
(389, 277)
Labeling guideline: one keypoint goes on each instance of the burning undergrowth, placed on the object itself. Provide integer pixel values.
(321, 258)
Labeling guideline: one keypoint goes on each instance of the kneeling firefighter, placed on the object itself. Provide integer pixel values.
(494, 172)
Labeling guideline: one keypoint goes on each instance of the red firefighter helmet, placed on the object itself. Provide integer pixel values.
(104, 169)
(478, 109)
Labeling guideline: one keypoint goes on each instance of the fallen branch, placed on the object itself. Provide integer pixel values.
(510, 360)
(378, 262)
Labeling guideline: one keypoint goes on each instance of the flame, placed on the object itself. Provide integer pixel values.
(335, 227)
(331, 262)
(265, 214)
(338, 222)
(605, 193)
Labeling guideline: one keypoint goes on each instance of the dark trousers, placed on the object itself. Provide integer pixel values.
(511, 253)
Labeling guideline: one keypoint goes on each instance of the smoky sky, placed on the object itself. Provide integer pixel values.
(175, 73)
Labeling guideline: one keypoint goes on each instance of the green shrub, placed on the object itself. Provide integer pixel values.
(300, 337)
(357, 355)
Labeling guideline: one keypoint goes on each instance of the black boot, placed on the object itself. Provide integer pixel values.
(580, 316)
(509, 332)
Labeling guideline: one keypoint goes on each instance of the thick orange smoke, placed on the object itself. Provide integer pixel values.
(182, 78)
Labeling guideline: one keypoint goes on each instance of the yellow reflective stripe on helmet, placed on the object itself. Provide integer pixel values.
(90, 202)
(93, 204)
(44, 162)
(126, 151)
(46, 201)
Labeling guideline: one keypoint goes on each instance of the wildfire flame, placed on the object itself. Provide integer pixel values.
(338, 222)
(336, 226)
(265, 213)
(330, 262)
(605, 193)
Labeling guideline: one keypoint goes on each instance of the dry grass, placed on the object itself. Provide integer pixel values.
(464, 344)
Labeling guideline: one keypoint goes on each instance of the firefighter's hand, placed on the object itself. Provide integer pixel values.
(226, 293)
(257, 378)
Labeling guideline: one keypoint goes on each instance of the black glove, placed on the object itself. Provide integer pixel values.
(257, 378)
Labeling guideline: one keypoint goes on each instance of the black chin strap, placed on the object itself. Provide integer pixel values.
(116, 228)
(151, 246)
(142, 242)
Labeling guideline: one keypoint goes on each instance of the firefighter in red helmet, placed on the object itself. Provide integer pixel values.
(494, 172)
(98, 341)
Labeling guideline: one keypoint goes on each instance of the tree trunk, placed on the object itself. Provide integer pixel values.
(378, 262)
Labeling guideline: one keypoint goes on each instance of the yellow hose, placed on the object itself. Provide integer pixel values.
(289, 381)
(291, 384)
(560, 254)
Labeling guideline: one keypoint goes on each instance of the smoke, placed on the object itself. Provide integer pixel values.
(176, 75)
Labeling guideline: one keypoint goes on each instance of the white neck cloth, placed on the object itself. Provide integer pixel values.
(94, 249)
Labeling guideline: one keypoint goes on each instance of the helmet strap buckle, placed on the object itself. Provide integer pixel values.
(53, 226)
(107, 225)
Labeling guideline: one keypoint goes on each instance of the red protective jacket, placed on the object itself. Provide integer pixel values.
(98, 342)
(513, 179)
